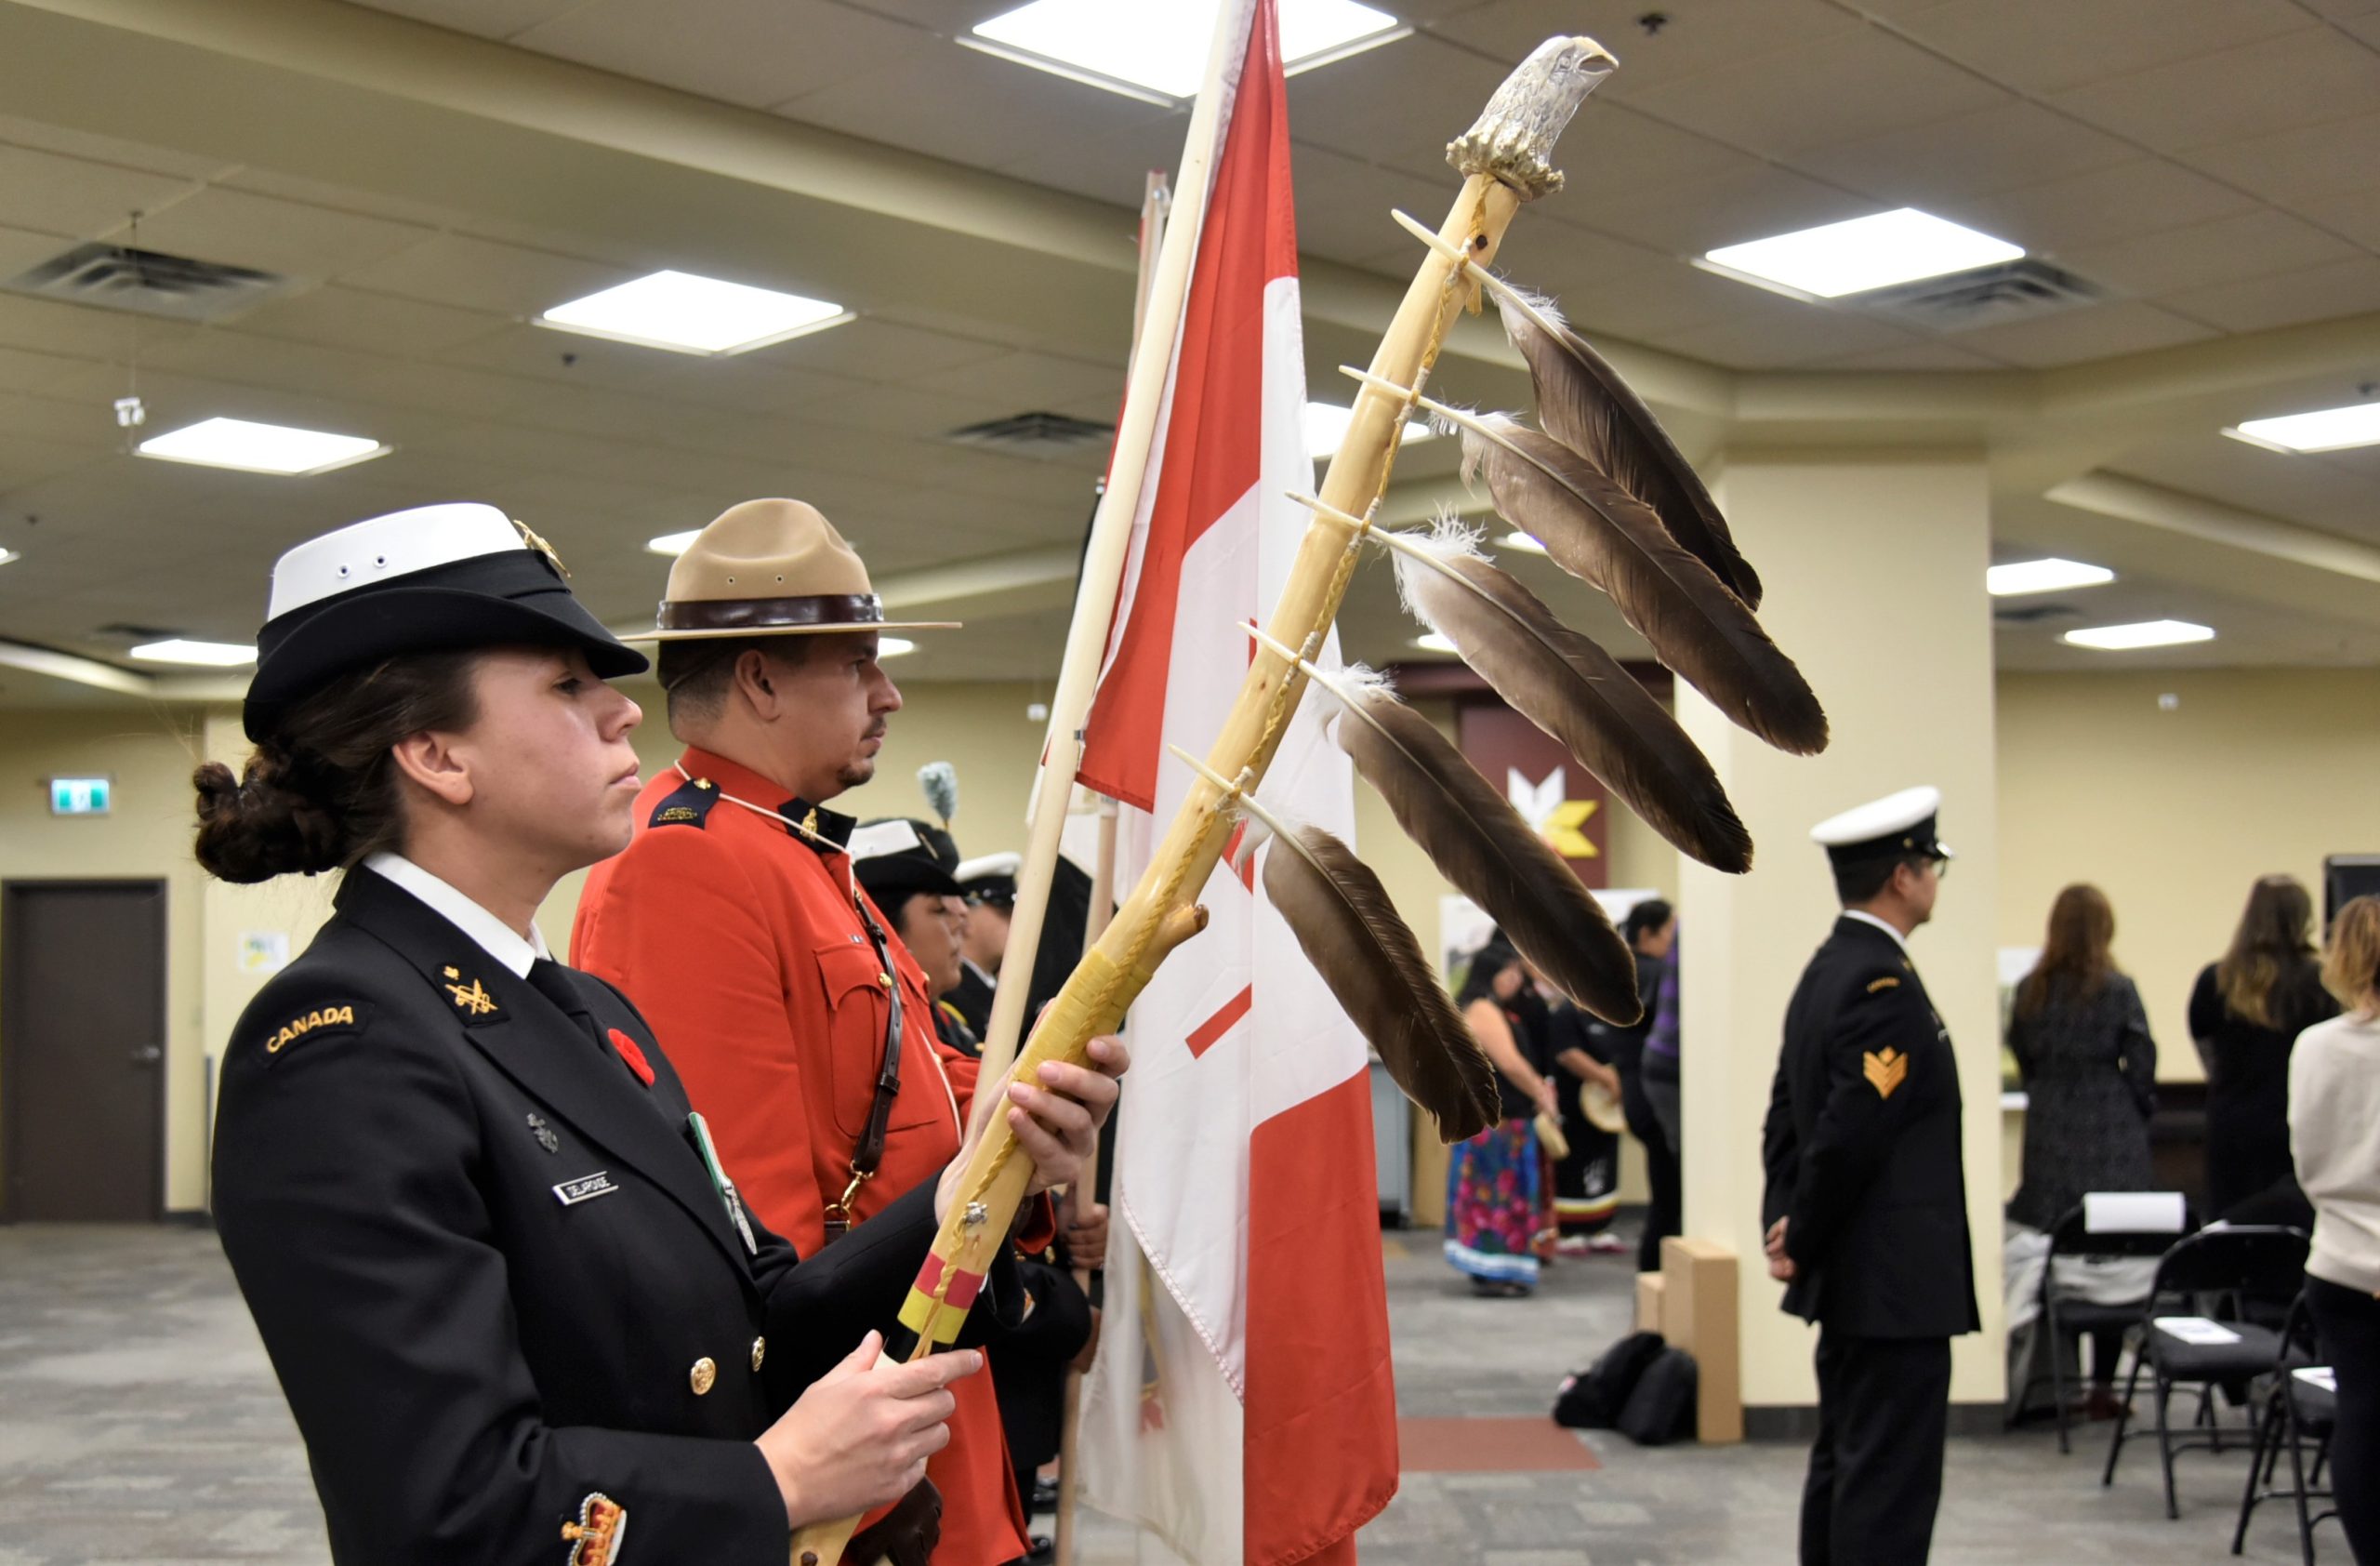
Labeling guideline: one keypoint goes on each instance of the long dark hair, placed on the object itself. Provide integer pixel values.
(322, 792)
(1479, 975)
(2075, 959)
(1643, 919)
(2275, 937)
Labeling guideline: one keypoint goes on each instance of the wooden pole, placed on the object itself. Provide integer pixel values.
(1505, 160)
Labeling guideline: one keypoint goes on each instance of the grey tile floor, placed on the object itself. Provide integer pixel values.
(139, 1422)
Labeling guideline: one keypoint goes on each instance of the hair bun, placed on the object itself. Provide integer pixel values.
(263, 823)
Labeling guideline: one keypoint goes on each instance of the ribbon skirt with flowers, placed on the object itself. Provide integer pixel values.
(1495, 1203)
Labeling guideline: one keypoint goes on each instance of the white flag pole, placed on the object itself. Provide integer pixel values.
(1103, 567)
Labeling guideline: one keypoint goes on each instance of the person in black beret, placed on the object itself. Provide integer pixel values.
(1866, 1201)
(905, 866)
(511, 1295)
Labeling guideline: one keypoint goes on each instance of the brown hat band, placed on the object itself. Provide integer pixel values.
(769, 614)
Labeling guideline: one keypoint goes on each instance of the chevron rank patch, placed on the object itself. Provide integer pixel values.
(1887, 982)
(1886, 1069)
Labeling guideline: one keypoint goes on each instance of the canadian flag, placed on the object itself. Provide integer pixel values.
(1242, 1405)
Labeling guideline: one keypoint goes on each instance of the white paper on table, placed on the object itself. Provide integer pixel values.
(2196, 1330)
(2322, 1376)
(2134, 1211)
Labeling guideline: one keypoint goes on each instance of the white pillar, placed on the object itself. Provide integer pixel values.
(1873, 566)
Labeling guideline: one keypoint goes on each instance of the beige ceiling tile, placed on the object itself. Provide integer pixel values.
(2099, 331)
(1918, 354)
(2355, 215)
(1400, 105)
(1696, 38)
(2344, 10)
(454, 269)
(2349, 287)
(2001, 147)
(573, 358)
(80, 331)
(1652, 303)
(875, 349)
(1113, 167)
(2106, 205)
(54, 195)
(2365, 26)
(751, 52)
(370, 323)
(343, 198)
(2316, 491)
(973, 109)
(1690, 219)
(1824, 92)
(489, 18)
(20, 371)
(2044, 45)
(45, 138)
(21, 250)
(71, 426)
(1343, 205)
(1016, 381)
(239, 228)
(1773, 333)
(2258, 90)
(2250, 245)
(2335, 158)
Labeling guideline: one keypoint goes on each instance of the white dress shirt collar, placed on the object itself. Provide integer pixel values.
(1865, 918)
(498, 939)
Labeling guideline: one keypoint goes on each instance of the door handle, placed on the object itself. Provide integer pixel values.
(148, 1054)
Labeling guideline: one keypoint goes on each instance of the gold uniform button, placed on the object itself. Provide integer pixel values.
(701, 1377)
(759, 1352)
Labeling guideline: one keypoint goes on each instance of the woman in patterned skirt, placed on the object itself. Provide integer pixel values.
(1498, 1200)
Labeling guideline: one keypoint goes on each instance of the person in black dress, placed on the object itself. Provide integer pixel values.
(2081, 1038)
(1649, 928)
(512, 1299)
(2245, 1014)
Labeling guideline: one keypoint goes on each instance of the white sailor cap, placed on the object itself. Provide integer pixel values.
(1898, 825)
(990, 878)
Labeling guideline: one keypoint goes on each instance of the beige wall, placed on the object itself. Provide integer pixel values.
(2173, 814)
(1875, 575)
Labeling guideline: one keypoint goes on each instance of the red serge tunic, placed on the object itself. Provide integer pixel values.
(738, 940)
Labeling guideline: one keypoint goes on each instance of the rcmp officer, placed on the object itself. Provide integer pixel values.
(1866, 1201)
(735, 918)
(511, 1293)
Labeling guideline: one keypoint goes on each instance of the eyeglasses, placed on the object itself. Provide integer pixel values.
(1942, 868)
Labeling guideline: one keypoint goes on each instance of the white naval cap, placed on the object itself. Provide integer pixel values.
(1897, 824)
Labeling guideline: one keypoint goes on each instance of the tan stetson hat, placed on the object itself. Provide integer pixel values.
(770, 569)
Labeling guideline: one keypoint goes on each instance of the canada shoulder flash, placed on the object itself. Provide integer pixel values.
(314, 1022)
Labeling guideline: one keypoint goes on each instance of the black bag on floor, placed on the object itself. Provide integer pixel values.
(1661, 1409)
(1591, 1398)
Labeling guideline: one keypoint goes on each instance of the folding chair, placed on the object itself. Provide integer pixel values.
(2224, 1270)
(2106, 1226)
(2300, 1403)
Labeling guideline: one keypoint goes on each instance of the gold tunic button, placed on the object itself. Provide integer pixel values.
(702, 1375)
(759, 1352)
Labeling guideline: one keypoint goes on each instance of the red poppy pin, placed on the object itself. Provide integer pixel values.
(633, 1056)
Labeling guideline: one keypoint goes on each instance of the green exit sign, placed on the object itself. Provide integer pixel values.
(78, 796)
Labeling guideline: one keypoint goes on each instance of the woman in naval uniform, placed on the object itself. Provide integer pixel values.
(513, 1300)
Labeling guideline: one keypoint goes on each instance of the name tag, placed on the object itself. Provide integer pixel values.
(586, 1187)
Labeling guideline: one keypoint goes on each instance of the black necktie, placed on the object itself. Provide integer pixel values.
(552, 980)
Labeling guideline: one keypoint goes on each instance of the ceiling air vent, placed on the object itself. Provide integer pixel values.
(148, 282)
(2014, 291)
(2034, 614)
(1042, 436)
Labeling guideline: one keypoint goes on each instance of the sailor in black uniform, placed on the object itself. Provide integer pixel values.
(1866, 1201)
(512, 1299)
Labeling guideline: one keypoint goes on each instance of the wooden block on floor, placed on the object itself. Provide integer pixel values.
(1699, 1285)
(1648, 1302)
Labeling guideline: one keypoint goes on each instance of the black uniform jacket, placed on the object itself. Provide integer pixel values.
(1862, 1148)
(492, 1270)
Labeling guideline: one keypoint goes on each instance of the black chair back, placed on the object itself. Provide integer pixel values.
(2255, 1264)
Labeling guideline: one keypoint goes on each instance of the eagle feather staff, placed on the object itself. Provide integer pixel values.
(1506, 159)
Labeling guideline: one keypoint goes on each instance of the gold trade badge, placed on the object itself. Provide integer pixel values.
(1886, 1069)
(298, 1028)
(1887, 982)
(602, 1527)
(475, 1000)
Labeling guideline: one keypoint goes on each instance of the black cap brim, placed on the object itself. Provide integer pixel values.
(505, 601)
(900, 875)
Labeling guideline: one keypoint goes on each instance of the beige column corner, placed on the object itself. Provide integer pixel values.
(1873, 566)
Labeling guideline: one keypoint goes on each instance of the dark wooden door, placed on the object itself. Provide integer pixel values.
(82, 1050)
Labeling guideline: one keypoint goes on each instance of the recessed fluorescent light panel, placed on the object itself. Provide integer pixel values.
(1850, 257)
(2145, 633)
(2021, 576)
(8, 555)
(689, 314)
(201, 655)
(2326, 430)
(894, 647)
(1156, 50)
(1430, 642)
(1520, 541)
(1326, 426)
(259, 448)
(674, 543)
